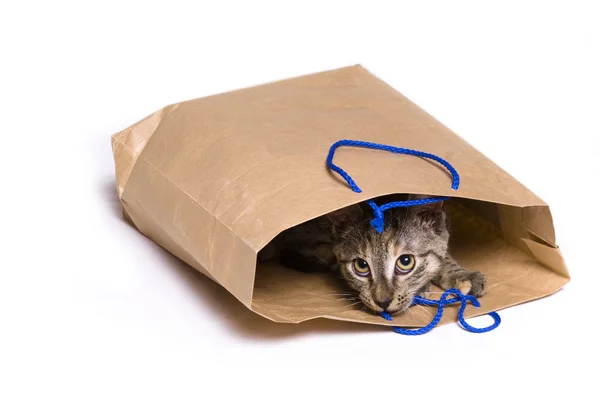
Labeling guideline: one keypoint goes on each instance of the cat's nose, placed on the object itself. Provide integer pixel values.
(384, 304)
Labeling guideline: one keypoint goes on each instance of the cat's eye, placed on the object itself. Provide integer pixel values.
(361, 267)
(405, 263)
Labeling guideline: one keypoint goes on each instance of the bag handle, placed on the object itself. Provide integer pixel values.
(378, 222)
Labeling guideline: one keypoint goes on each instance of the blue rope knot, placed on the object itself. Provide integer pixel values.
(441, 303)
(377, 222)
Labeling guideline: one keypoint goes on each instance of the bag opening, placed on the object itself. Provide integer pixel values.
(484, 236)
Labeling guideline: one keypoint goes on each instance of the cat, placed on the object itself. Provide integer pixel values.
(385, 269)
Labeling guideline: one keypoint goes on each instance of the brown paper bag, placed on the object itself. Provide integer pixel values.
(214, 180)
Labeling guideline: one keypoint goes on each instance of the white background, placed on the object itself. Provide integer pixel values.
(91, 309)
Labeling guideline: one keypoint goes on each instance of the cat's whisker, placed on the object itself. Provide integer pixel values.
(424, 309)
(336, 293)
(349, 299)
(338, 298)
(340, 290)
(351, 305)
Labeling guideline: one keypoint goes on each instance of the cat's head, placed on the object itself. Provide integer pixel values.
(388, 269)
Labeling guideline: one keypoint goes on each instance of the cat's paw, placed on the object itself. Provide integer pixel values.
(472, 283)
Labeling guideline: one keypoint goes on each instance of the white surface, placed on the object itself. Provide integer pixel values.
(91, 309)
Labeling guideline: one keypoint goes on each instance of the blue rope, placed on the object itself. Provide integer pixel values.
(378, 211)
(438, 316)
(378, 224)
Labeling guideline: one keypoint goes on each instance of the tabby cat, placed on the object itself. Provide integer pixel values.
(385, 269)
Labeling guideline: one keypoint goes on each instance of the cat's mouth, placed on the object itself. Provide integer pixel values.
(395, 311)
(391, 311)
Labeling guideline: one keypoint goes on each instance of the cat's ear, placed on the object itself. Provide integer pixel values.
(430, 208)
(346, 215)
(431, 214)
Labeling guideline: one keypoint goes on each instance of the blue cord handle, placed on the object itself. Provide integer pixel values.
(378, 211)
(462, 298)
(378, 224)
